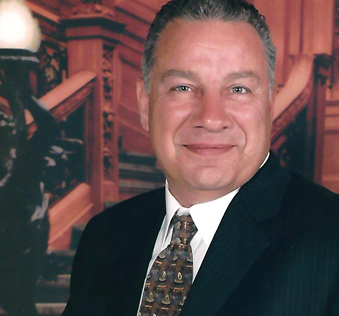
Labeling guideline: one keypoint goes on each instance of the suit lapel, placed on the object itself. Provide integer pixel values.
(236, 245)
(238, 242)
(132, 260)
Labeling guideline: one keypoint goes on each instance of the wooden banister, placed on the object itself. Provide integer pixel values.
(298, 79)
(299, 116)
(295, 94)
(68, 88)
(66, 97)
(77, 206)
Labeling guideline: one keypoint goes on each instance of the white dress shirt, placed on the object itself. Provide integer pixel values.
(206, 216)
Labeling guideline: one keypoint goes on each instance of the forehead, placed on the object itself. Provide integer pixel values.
(210, 42)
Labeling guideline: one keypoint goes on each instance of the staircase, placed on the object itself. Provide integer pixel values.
(53, 291)
(138, 173)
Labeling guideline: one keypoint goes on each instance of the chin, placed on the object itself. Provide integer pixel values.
(220, 184)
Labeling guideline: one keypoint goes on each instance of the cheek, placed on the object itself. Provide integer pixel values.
(254, 121)
(168, 117)
(162, 128)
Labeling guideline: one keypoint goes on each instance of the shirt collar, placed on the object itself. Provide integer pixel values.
(206, 216)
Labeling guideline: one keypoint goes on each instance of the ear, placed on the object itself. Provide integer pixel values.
(143, 104)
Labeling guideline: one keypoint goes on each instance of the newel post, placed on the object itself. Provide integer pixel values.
(93, 37)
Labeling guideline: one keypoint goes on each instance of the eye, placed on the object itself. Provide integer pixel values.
(240, 90)
(181, 89)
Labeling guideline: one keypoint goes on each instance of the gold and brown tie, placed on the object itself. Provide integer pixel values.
(170, 277)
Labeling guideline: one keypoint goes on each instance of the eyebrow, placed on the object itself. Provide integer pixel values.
(188, 74)
(185, 74)
(242, 75)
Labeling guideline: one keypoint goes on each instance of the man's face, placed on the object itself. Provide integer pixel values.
(208, 110)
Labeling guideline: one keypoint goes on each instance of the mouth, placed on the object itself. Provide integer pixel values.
(209, 149)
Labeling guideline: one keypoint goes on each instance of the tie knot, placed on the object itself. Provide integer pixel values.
(183, 229)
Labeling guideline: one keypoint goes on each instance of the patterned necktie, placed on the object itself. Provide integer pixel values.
(170, 277)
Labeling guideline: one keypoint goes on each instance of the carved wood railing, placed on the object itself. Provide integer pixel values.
(67, 97)
(298, 122)
(71, 104)
(294, 95)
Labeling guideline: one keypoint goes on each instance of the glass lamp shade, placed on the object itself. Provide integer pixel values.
(18, 29)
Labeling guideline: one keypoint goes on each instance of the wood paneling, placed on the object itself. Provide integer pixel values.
(318, 26)
(295, 11)
(130, 73)
(59, 7)
(133, 139)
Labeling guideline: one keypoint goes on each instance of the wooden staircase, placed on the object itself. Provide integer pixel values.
(138, 173)
(101, 85)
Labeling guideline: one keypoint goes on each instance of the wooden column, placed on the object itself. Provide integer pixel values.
(93, 36)
(318, 26)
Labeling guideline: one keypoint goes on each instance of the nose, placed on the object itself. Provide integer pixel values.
(211, 113)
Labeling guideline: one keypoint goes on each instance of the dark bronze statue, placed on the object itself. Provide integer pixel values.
(24, 225)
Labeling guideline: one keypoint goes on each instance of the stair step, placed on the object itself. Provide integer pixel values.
(76, 235)
(140, 172)
(62, 281)
(51, 309)
(53, 291)
(137, 158)
(138, 185)
(60, 262)
(109, 204)
(68, 253)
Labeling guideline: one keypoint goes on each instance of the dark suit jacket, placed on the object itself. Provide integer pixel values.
(276, 252)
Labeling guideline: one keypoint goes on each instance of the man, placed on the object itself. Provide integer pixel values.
(267, 242)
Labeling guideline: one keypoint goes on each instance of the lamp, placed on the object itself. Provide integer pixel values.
(19, 31)
(20, 39)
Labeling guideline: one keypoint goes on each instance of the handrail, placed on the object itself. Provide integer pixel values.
(67, 88)
(294, 96)
(66, 97)
(296, 83)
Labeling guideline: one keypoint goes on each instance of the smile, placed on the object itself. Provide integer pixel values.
(208, 149)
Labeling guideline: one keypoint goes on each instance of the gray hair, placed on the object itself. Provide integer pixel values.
(225, 10)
